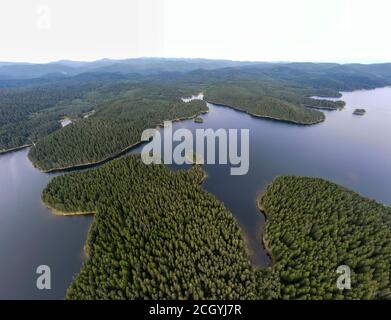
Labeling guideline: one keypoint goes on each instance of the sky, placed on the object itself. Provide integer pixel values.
(257, 30)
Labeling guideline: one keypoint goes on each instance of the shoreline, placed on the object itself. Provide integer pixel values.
(323, 108)
(262, 211)
(15, 149)
(89, 164)
(265, 243)
(113, 156)
(86, 165)
(86, 248)
(268, 117)
(60, 213)
(161, 125)
(247, 248)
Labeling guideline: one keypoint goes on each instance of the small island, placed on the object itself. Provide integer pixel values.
(198, 120)
(359, 112)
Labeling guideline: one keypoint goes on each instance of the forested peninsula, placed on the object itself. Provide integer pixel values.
(109, 110)
(313, 226)
(117, 124)
(157, 234)
(112, 129)
(252, 100)
(146, 243)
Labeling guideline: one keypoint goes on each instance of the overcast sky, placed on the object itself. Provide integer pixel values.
(262, 30)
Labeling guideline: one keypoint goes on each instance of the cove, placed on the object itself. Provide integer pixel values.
(352, 151)
(349, 150)
(30, 235)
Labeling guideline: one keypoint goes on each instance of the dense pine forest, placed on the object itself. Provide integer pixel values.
(157, 235)
(263, 102)
(111, 129)
(37, 97)
(22, 116)
(314, 226)
(32, 109)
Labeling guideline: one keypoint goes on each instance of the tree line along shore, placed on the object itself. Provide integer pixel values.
(146, 237)
(119, 106)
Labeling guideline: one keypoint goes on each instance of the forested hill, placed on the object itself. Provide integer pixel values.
(156, 235)
(341, 77)
(123, 103)
(113, 128)
(142, 66)
(31, 109)
(314, 226)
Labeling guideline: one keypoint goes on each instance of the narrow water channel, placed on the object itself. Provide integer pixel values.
(354, 151)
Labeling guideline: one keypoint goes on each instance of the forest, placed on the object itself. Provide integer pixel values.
(33, 109)
(111, 129)
(110, 108)
(123, 110)
(20, 121)
(157, 234)
(313, 226)
(263, 102)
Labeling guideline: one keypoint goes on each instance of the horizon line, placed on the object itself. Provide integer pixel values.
(342, 62)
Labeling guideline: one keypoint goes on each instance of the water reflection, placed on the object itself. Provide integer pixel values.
(349, 150)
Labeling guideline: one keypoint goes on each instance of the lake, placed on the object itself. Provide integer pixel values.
(31, 236)
(354, 151)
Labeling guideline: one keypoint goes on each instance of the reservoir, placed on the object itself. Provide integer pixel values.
(31, 236)
(354, 151)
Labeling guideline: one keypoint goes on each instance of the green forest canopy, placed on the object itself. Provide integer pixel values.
(118, 123)
(314, 226)
(156, 235)
(110, 130)
(30, 110)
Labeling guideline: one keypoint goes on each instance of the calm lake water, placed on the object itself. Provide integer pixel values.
(31, 236)
(350, 150)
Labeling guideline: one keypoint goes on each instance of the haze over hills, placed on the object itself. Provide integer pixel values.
(140, 65)
(43, 94)
(109, 103)
(242, 157)
(375, 73)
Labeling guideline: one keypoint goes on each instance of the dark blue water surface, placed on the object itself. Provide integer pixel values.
(350, 150)
(31, 236)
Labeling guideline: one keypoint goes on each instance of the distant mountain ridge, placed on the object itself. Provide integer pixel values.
(143, 66)
(31, 108)
(331, 75)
